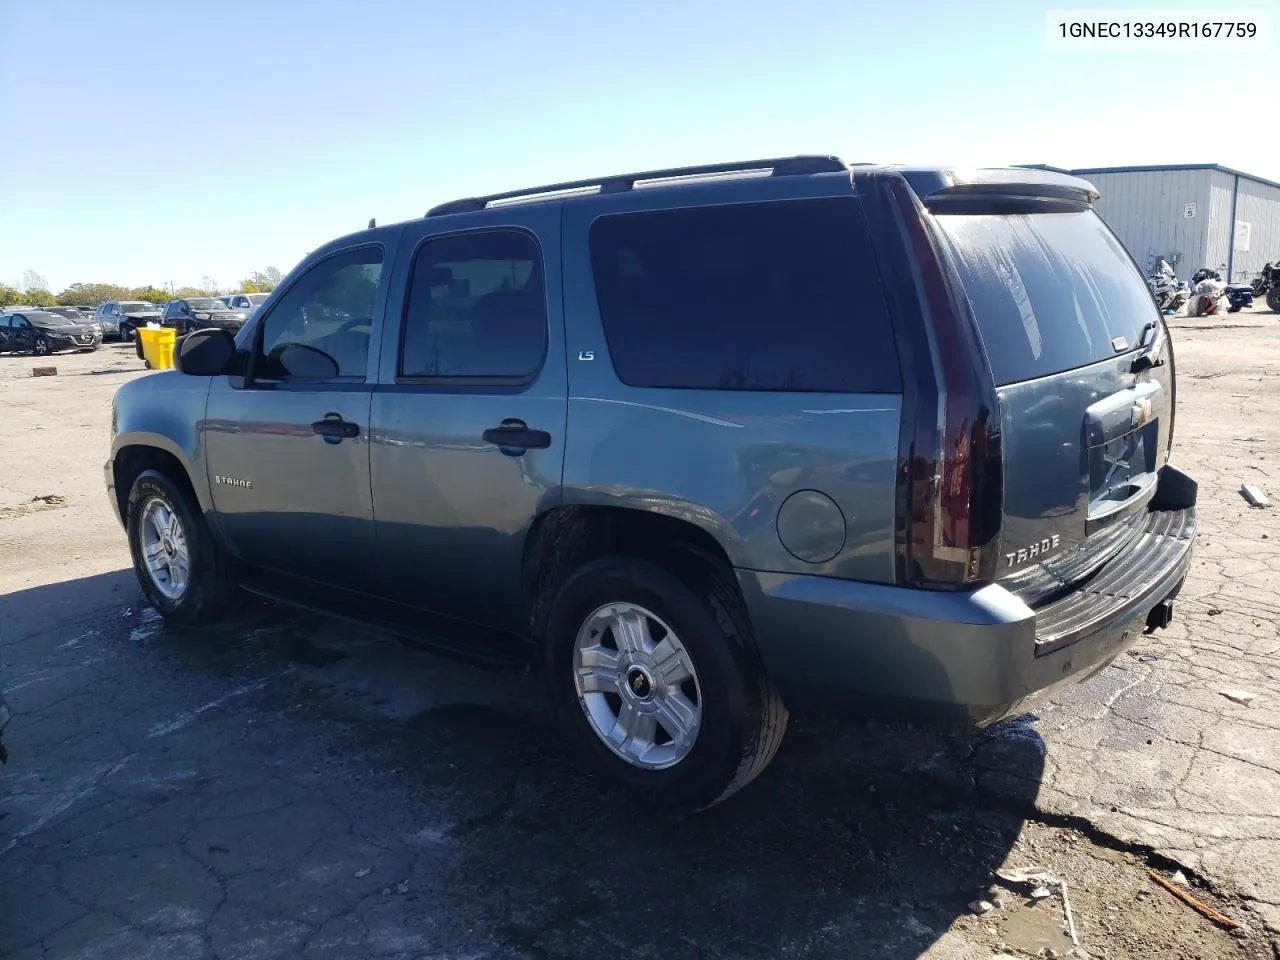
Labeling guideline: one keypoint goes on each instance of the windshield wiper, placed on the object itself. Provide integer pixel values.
(1151, 341)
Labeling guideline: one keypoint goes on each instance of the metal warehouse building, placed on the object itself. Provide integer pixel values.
(1193, 215)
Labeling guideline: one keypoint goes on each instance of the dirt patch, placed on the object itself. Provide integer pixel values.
(48, 501)
(1118, 911)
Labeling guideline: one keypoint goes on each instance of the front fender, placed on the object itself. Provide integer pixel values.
(163, 412)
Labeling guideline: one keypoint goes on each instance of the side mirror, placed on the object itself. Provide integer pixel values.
(205, 353)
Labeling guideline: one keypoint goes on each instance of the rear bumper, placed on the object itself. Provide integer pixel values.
(972, 657)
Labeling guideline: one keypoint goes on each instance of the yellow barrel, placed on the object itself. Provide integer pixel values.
(157, 346)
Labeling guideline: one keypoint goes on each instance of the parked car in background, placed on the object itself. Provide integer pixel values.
(194, 313)
(41, 333)
(547, 432)
(121, 318)
(76, 315)
(245, 301)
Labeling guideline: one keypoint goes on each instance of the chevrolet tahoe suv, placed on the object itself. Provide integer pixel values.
(703, 443)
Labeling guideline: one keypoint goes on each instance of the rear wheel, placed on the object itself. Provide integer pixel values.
(183, 571)
(659, 683)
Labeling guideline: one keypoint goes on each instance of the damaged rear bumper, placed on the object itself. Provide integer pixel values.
(973, 656)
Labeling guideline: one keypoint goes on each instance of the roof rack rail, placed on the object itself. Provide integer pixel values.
(778, 167)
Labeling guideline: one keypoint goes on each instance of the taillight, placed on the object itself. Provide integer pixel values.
(950, 473)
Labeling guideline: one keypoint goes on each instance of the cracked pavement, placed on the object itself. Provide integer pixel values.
(285, 786)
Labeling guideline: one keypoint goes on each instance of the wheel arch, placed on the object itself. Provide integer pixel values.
(563, 538)
(134, 454)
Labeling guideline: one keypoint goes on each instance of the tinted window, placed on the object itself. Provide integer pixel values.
(320, 328)
(475, 308)
(1050, 291)
(761, 296)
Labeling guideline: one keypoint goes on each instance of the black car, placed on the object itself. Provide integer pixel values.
(198, 313)
(41, 333)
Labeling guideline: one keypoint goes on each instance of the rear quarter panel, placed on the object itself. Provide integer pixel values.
(725, 461)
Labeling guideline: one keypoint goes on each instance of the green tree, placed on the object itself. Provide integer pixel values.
(149, 293)
(257, 282)
(92, 293)
(10, 296)
(183, 292)
(40, 298)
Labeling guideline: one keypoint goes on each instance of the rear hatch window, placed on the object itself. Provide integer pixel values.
(1050, 291)
(1059, 303)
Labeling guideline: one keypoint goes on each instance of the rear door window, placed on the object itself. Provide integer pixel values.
(1050, 291)
(756, 296)
(476, 307)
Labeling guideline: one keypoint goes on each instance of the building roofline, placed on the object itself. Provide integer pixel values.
(1157, 168)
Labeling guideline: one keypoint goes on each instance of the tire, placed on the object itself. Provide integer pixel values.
(209, 588)
(741, 718)
(41, 347)
(1273, 299)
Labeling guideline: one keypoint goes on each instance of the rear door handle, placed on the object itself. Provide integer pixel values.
(516, 435)
(333, 426)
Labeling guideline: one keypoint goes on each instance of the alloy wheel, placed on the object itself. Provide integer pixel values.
(164, 549)
(637, 686)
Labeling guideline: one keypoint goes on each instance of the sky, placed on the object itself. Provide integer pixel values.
(157, 141)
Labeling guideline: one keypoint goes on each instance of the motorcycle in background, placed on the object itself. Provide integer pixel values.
(1237, 295)
(1170, 292)
(1208, 295)
(1267, 284)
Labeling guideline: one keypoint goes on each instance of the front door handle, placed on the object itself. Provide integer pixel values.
(516, 435)
(335, 428)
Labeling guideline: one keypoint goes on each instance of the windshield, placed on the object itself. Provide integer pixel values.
(206, 303)
(44, 318)
(71, 313)
(257, 299)
(1050, 291)
(137, 306)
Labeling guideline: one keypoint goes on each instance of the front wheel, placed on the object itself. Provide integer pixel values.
(42, 347)
(1273, 299)
(183, 571)
(660, 684)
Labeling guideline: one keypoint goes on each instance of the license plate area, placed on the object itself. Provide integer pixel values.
(1122, 437)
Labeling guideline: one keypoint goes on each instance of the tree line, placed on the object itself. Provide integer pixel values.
(33, 290)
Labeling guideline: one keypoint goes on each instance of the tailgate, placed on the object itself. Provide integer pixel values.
(1062, 312)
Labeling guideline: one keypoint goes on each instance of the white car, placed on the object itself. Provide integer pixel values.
(248, 302)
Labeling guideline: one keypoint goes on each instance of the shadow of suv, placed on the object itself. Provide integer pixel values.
(703, 442)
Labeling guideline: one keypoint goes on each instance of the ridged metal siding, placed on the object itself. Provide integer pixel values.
(1259, 206)
(1145, 209)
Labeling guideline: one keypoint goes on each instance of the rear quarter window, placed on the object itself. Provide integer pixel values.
(780, 296)
(1050, 291)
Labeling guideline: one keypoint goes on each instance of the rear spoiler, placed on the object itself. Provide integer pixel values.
(999, 189)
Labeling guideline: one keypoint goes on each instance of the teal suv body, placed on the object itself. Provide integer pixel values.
(706, 443)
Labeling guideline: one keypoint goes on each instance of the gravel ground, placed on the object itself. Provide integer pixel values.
(284, 786)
